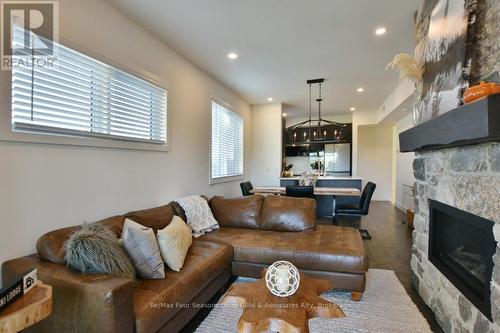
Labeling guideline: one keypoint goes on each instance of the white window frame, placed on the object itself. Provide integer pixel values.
(8, 134)
(225, 179)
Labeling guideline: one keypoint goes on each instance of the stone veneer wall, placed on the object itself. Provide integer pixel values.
(467, 178)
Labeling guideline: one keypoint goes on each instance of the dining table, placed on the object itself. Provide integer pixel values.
(318, 191)
(335, 191)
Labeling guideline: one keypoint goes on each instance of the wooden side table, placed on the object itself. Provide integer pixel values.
(27, 310)
(263, 312)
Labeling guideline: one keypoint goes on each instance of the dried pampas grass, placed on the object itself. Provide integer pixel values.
(408, 68)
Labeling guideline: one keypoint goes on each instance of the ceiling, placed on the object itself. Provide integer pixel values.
(282, 43)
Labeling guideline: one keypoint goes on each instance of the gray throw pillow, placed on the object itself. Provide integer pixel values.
(95, 249)
(141, 245)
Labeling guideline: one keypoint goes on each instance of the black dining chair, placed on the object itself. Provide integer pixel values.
(360, 209)
(246, 187)
(300, 191)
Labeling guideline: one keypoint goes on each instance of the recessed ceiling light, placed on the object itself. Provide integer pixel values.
(269, 99)
(353, 109)
(284, 114)
(232, 55)
(360, 89)
(380, 31)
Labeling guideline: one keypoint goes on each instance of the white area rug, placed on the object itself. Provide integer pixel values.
(385, 307)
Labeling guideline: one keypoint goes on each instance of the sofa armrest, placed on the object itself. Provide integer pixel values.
(81, 302)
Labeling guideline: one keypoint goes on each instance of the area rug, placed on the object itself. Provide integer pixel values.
(385, 307)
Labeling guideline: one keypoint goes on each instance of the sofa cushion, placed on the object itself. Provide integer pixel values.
(50, 246)
(155, 218)
(280, 213)
(205, 260)
(241, 212)
(327, 248)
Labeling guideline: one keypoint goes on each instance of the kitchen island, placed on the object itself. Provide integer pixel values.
(324, 203)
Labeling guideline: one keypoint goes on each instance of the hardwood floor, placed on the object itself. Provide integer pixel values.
(389, 248)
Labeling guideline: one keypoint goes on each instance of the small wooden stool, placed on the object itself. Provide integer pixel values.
(263, 311)
(27, 310)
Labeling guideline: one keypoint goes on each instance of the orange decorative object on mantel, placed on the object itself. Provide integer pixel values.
(481, 90)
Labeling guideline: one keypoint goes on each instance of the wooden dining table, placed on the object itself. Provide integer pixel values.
(334, 191)
(331, 191)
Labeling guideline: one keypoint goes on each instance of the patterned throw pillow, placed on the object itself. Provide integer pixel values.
(140, 243)
(174, 241)
(198, 213)
(95, 249)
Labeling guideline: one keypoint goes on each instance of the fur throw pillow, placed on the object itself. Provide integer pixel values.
(95, 249)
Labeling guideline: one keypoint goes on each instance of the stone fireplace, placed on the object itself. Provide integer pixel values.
(461, 247)
(466, 179)
(463, 174)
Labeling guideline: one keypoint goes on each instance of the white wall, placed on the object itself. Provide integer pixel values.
(360, 118)
(404, 92)
(375, 163)
(265, 164)
(404, 166)
(43, 187)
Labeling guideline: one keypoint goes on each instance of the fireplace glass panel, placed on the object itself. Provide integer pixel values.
(461, 246)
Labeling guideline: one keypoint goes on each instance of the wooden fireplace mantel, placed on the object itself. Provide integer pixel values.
(473, 123)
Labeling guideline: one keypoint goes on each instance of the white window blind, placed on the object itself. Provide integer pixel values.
(81, 96)
(227, 142)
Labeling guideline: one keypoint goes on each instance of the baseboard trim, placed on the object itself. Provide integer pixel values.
(400, 207)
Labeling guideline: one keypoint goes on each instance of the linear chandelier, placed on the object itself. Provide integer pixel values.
(314, 129)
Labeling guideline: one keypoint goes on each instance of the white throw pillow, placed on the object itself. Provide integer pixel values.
(198, 214)
(140, 244)
(174, 241)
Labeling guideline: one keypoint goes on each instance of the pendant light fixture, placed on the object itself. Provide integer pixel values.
(316, 130)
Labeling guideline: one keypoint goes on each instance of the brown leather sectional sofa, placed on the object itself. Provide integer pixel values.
(255, 231)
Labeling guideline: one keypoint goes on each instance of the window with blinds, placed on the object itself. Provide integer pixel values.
(227, 143)
(81, 96)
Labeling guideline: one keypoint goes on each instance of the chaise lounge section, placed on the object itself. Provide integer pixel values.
(324, 251)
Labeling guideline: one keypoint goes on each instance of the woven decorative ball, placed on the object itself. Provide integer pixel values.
(282, 278)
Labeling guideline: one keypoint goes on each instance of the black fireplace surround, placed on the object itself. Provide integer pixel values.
(461, 246)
